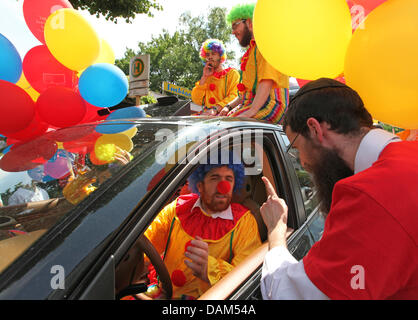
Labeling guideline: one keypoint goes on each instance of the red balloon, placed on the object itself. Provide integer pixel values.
(91, 113)
(83, 145)
(61, 107)
(35, 129)
(28, 155)
(360, 9)
(43, 71)
(71, 134)
(37, 12)
(17, 108)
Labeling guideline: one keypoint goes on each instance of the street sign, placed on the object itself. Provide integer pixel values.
(139, 76)
(180, 91)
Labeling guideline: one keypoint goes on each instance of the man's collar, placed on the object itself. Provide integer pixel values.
(370, 148)
(226, 214)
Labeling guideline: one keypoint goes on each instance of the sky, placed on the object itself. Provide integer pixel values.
(121, 35)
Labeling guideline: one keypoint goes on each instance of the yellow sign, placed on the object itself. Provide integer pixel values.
(180, 91)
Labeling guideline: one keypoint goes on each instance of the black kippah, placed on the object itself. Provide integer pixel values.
(316, 85)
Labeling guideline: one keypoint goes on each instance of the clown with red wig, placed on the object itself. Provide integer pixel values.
(217, 86)
(203, 235)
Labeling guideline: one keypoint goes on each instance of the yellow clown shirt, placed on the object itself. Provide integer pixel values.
(255, 68)
(218, 90)
(229, 240)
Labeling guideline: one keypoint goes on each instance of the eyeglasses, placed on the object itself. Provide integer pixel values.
(294, 152)
(235, 25)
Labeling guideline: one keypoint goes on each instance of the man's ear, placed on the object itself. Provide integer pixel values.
(249, 23)
(199, 186)
(315, 129)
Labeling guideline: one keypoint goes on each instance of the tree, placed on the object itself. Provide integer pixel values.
(113, 9)
(175, 58)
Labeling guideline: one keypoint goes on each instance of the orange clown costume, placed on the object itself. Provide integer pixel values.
(229, 241)
(255, 68)
(220, 88)
(218, 91)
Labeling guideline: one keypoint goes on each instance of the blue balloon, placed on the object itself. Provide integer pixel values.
(10, 61)
(121, 126)
(103, 85)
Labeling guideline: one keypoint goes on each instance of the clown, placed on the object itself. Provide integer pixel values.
(203, 235)
(218, 86)
(263, 91)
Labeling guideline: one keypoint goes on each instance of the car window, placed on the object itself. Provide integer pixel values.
(173, 227)
(309, 194)
(42, 180)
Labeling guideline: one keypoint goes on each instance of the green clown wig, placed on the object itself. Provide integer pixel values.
(241, 11)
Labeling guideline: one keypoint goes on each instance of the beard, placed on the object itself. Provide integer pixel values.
(246, 37)
(327, 171)
(214, 204)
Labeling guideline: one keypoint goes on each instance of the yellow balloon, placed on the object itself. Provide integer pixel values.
(131, 132)
(23, 83)
(33, 93)
(106, 54)
(382, 63)
(306, 39)
(118, 139)
(71, 39)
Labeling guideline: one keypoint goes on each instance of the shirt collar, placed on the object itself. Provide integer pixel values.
(226, 214)
(370, 148)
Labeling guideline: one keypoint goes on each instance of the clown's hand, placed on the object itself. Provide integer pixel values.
(198, 253)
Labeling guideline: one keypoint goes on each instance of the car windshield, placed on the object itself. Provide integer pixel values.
(42, 180)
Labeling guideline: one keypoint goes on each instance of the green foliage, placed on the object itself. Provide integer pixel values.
(149, 99)
(113, 9)
(175, 57)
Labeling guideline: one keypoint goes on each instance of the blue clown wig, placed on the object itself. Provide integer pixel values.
(199, 174)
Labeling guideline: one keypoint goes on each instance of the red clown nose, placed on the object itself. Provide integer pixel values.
(223, 187)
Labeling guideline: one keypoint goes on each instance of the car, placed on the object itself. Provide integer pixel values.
(86, 239)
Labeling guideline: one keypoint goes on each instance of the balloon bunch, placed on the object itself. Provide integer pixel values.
(369, 44)
(60, 83)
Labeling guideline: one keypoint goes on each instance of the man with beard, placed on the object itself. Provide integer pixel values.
(367, 179)
(263, 91)
(218, 86)
(206, 228)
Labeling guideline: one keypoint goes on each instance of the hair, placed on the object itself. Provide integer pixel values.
(213, 45)
(241, 11)
(200, 172)
(329, 101)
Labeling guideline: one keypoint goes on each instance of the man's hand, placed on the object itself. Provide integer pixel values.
(274, 213)
(198, 253)
(223, 112)
(207, 72)
(231, 113)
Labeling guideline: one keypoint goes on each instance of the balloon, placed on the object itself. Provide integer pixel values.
(360, 9)
(10, 61)
(58, 167)
(17, 109)
(125, 113)
(382, 65)
(61, 107)
(71, 39)
(91, 113)
(35, 129)
(36, 12)
(103, 85)
(120, 140)
(82, 145)
(28, 155)
(303, 38)
(43, 71)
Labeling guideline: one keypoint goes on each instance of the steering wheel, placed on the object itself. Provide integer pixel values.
(130, 271)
